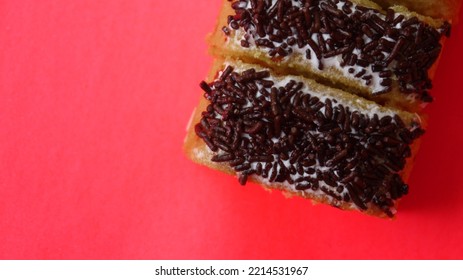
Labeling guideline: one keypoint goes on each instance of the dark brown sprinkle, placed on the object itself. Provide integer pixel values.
(321, 43)
(349, 178)
(255, 128)
(337, 158)
(397, 20)
(390, 15)
(395, 51)
(273, 172)
(308, 54)
(286, 133)
(243, 178)
(355, 197)
(284, 26)
(222, 158)
(226, 72)
(268, 158)
(367, 31)
(351, 59)
(346, 9)
(361, 73)
(259, 168)
(236, 161)
(315, 48)
(303, 186)
(316, 26)
(332, 10)
(386, 82)
(409, 22)
(234, 25)
(385, 74)
(331, 193)
(338, 51)
(208, 142)
(264, 43)
(370, 47)
(204, 86)
(367, 77)
(242, 167)
(385, 45)
(266, 83)
(362, 62)
(386, 120)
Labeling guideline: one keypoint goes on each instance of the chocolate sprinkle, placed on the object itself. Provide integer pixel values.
(362, 36)
(284, 134)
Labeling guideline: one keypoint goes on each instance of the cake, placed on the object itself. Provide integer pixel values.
(388, 56)
(320, 99)
(307, 139)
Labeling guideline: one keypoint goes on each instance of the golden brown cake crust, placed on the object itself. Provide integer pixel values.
(443, 9)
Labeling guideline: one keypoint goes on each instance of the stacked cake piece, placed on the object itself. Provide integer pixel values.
(319, 98)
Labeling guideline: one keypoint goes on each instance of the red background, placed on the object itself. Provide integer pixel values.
(94, 100)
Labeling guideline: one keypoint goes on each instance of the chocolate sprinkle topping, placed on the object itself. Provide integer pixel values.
(407, 48)
(285, 134)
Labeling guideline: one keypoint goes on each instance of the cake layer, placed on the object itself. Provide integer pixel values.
(444, 9)
(293, 134)
(385, 56)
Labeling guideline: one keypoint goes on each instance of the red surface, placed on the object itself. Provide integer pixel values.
(94, 100)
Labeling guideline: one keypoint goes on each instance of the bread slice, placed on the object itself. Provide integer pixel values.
(385, 56)
(443, 9)
(306, 139)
